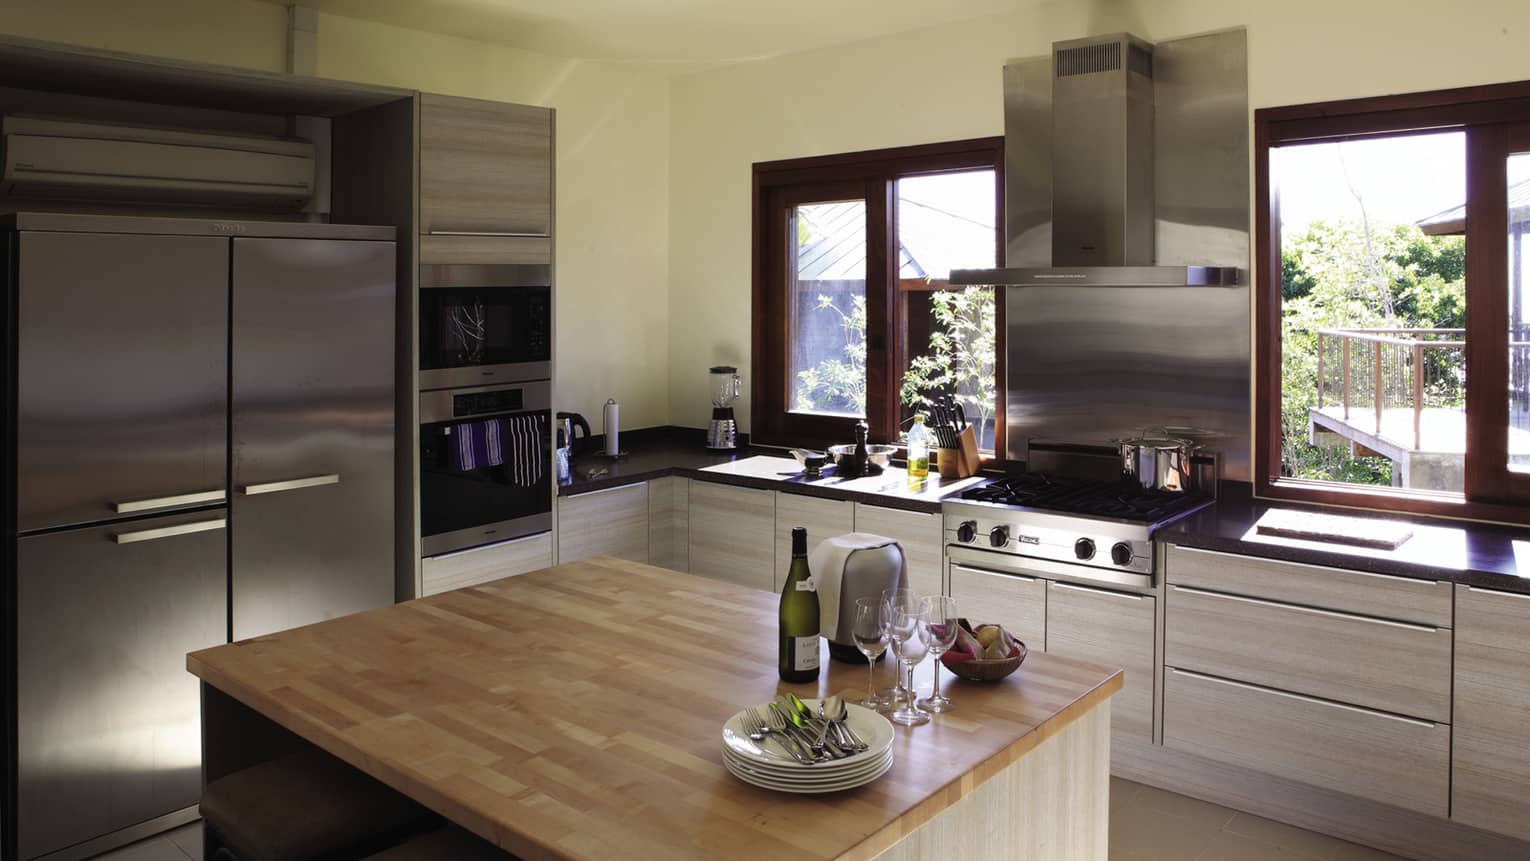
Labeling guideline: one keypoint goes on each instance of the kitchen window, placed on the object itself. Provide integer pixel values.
(1394, 302)
(854, 316)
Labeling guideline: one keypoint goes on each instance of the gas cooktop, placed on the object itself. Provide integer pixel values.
(1113, 500)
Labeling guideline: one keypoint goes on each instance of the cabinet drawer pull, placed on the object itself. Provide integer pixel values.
(169, 501)
(1316, 700)
(1105, 592)
(1298, 608)
(290, 484)
(490, 233)
(586, 493)
(169, 531)
(955, 566)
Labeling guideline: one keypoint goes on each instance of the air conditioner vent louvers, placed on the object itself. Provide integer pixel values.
(1139, 60)
(1088, 59)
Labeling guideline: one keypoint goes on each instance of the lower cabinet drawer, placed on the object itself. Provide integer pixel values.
(1383, 757)
(1390, 666)
(1114, 629)
(1018, 603)
(483, 564)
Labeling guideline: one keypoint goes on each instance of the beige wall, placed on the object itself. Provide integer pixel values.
(613, 152)
(944, 84)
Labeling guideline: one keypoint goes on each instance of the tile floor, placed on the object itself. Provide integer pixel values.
(1146, 824)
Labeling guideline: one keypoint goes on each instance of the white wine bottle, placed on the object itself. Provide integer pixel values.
(799, 617)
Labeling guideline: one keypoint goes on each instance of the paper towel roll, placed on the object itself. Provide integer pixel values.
(611, 421)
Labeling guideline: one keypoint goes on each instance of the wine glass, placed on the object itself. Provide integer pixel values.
(893, 601)
(909, 631)
(870, 635)
(940, 613)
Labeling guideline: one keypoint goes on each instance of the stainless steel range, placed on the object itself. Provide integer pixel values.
(1068, 528)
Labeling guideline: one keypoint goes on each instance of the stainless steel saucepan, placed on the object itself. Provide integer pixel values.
(1159, 461)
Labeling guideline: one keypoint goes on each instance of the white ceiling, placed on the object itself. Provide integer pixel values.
(685, 33)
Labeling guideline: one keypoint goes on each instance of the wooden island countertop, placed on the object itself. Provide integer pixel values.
(576, 712)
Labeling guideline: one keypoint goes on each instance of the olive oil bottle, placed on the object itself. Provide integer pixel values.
(799, 617)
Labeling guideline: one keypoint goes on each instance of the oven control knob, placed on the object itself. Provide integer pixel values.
(967, 532)
(1121, 554)
(999, 536)
(1083, 548)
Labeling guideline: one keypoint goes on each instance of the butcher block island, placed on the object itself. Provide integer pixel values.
(576, 713)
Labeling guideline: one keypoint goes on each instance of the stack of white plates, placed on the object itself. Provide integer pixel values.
(764, 764)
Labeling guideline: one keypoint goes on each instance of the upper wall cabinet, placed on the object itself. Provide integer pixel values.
(485, 168)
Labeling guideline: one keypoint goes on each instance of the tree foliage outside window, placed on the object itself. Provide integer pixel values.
(1354, 274)
(961, 360)
(838, 385)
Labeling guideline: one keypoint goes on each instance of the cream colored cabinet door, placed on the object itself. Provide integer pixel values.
(611, 522)
(485, 564)
(1114, 629)
(669, 506)
(486, 168)
(1490, 785)
(922, 536)
(731, 534)
(823, 518)
(1017, 602)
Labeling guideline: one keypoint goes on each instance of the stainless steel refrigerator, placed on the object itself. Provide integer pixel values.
(201, 444)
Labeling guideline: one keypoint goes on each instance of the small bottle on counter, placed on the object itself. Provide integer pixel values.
(918, 452)
(799, 617)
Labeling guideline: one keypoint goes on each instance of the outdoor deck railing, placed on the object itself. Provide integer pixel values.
(1382, 369)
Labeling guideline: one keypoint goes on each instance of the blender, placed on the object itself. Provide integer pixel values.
(722, 432)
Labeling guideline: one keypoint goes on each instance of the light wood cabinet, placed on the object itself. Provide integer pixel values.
(1491, 775)
(485, 564)
(1114, 629)
(668, 518)
(922, 536)
(823, 518)
(1017, 602)
(731, 534)
(1391, 666)
(1425, 602)
(485, 168)
(611, 522)
(1386, 758)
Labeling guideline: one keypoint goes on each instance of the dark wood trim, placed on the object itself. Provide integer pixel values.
(870, 176)
(1494, 118)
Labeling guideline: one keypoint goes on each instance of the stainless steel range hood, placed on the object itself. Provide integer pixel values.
(1102, 174)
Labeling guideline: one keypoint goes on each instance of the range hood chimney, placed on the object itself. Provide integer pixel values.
(1102, 175)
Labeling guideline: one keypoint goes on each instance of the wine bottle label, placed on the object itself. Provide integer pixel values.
(807, 584)
(805, 653)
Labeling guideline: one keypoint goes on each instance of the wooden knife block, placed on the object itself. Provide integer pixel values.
(961, 462)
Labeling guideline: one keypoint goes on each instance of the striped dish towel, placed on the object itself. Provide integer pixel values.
(527, 441)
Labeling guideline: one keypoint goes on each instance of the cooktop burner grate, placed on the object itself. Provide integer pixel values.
(1120, 500)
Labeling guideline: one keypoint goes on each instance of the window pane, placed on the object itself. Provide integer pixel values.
(827, 246)
(945, 222)
(1373, 314)
(1519, 312)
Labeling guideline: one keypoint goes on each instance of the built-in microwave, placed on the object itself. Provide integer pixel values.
(485, 465)
(482, 324)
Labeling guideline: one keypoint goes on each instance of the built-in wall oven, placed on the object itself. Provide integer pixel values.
(485, 465)
(482, 324)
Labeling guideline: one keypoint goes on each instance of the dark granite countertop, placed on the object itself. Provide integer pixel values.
(655, 453)
(1476, 554)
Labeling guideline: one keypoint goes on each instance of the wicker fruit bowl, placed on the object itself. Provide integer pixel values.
(986, 653)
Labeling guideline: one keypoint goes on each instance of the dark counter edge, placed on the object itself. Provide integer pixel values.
(665, 451)
(1458, 551)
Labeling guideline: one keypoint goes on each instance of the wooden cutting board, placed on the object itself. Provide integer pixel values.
(1333, 528)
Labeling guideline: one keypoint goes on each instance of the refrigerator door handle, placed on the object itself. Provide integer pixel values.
(170, 531)
(290, 484)
(137, 505)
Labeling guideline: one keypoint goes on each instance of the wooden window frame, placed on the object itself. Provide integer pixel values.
(1491, 116)
(870, 175)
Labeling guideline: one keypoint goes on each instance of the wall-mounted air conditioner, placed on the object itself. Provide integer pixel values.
(87, 161)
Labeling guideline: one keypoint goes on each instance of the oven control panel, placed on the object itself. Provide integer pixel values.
(1073, 540)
